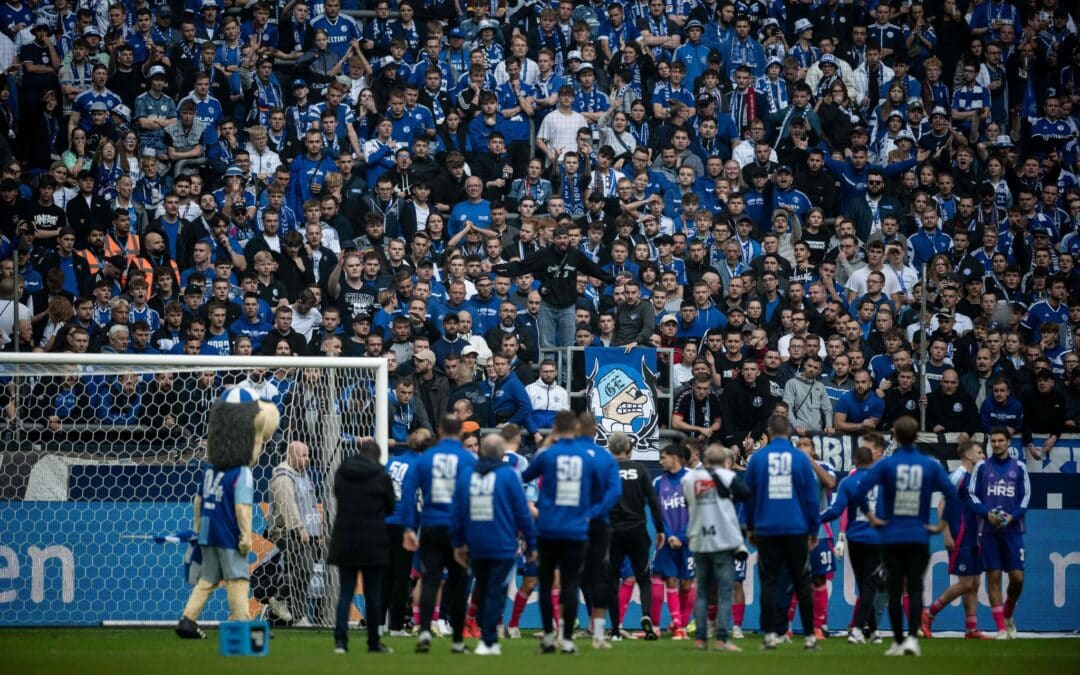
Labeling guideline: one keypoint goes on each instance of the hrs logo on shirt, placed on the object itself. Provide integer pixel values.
(1001, 489)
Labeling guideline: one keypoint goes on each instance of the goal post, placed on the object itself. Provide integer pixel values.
(104, 452)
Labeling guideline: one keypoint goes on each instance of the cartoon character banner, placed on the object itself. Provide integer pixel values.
(622, 396)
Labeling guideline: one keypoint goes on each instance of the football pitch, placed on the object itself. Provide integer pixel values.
(159, 652)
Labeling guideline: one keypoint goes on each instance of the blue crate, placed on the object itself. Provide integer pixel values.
(245, 638)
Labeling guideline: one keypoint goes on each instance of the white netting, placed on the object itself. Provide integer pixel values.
(100, 458)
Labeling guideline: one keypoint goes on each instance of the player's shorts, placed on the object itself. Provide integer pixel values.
(821, 558)
(527, 568)
(964, 561)
(626, 570)
(222, 564)
(674, 562)
(1001, 551)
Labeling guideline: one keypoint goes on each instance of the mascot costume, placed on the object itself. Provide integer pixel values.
(239, 425)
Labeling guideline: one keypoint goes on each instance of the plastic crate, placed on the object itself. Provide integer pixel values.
(245, 638)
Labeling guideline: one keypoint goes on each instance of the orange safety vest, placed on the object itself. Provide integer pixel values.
(130, 251)
(93, 261)
(147, 268)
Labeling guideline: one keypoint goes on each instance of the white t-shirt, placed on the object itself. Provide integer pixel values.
(857, 281)
(7, 320)
(559, 130)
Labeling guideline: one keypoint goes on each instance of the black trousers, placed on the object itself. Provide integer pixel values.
(596, 576)
(635, 544)
(437, 554)
(395, 587)
(568, 557)
(905, 563)
(865, 563)
(373, 577)
(785, 553)
(299, 566)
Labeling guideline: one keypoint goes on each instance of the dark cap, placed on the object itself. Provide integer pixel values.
(784, 168)
(9, 184)
(118, 261)
(945, 313)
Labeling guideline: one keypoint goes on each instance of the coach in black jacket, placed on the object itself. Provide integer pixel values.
(556, 266)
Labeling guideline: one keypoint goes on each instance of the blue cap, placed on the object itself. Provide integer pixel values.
(455, 33)
(234, 170)
(298, 82)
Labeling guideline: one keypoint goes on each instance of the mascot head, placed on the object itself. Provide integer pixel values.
(239, 426)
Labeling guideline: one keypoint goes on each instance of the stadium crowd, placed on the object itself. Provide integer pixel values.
(458, 186)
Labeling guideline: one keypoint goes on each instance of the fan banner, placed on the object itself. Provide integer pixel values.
(622, 396)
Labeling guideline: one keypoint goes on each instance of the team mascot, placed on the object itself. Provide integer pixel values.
(239, 425)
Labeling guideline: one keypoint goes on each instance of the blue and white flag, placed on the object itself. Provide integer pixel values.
(622, 396)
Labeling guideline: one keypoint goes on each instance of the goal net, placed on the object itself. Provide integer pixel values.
(103, 454)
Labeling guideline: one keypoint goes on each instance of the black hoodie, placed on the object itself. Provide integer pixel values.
(365, 496)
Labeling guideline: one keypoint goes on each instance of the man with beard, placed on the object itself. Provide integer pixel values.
(900, 399)
(951, 410)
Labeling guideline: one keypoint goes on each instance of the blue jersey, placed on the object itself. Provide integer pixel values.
(397, 467)
(435, 475)
(859, 529)
(490, 511)
(962, 518)
(221, 492)
(858, 410)
(907, 480)
(1001, 484)
(672, 500)
(784, 491)
(571, 490)
(339, 32)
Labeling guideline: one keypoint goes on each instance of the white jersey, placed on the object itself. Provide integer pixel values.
(714, 524)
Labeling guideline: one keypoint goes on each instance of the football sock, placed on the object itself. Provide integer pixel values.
(473, 609)
(520, 600)
(686, 604)
(971, 623)
(906, 601)
(936, 607)
(791, 608)
(657, 600)
(821, 605)
(598, 627)
(674, 607)
(626, 591)
(416, 615)
(738, 613)
(854, 611)
(1010, 606)
(998, 612)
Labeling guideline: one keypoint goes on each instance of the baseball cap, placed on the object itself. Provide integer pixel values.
(915, 103)
(91, 31)
(156, 71)
(896, 113)
(99, 106)
(123, 112)
(694, 23)
(905, 135)
(489, 24)
(582, 67)
(467, 350)
(1003, 141)
(938, 110)
(774, 61)
(668, 318)
(784, 168)
(299, 82)
(233, 170)
(118, 261)
(469, 427)
(455, 33)
(207, 4)
(828, 60)
(945, 313)
(574, 54)
(164, 10)
(425, 355)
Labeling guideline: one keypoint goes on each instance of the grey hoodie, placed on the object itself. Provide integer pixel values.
(808, 403)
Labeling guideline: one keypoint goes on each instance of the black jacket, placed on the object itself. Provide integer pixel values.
(557, 272)
(746, 410)
(957, 413)
(365, 496)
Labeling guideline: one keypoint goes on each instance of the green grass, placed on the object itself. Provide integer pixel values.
(159, 652)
